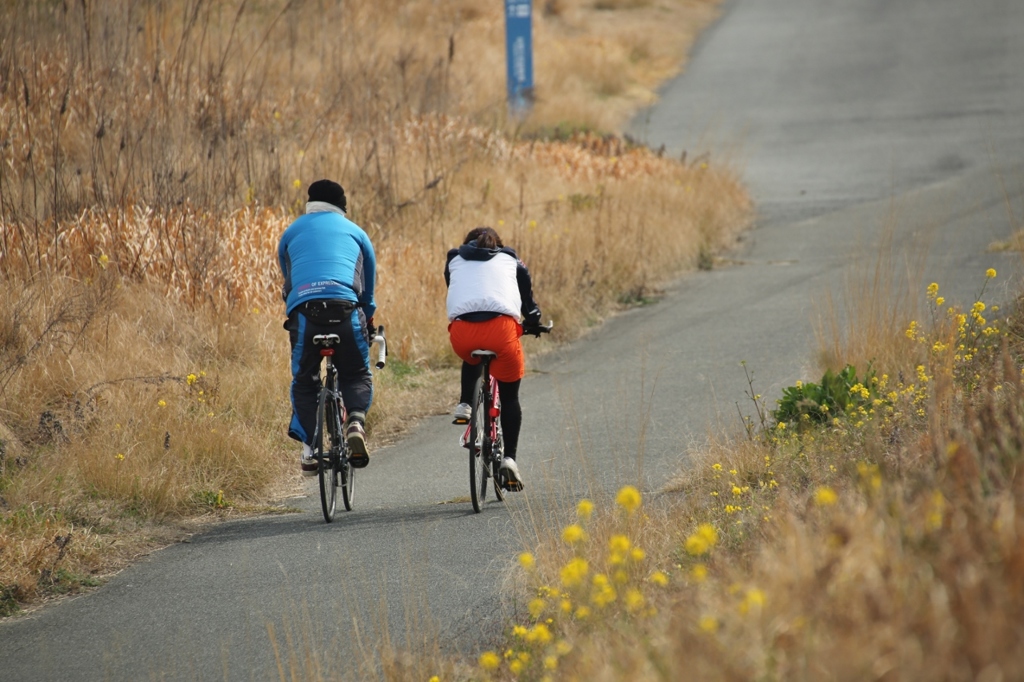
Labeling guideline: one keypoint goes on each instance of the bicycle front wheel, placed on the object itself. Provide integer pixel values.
(327, 436)
(478, 464)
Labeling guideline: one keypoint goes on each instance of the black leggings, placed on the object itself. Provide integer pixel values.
(511, 411)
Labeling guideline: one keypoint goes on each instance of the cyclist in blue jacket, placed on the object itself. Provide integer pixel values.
(329, 270)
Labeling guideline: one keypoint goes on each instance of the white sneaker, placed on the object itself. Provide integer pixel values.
(306, 461)
(511, 471)
(462, 413)
(358, 455)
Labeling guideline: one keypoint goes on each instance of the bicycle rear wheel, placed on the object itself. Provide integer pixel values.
(479, 463)
(346, 474)
(327, 437)
(499, 449)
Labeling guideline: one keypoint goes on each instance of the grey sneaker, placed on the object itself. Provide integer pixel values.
(462, 413)
(306, 461)
(510, 470)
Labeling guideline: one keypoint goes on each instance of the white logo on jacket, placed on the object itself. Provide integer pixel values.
(478, 286)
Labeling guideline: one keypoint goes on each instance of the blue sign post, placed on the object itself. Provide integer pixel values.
(519, 55)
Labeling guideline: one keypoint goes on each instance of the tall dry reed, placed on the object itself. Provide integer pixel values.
(152, 154)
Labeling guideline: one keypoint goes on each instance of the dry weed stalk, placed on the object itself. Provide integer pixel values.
(152, 154)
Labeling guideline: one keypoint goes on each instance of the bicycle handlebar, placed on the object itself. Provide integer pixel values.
(537, 330)
(382, 346)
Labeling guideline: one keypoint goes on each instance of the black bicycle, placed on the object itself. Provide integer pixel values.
(483, 431)
(330, 449)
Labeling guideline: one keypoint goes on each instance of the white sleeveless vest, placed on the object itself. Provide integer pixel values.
(478, 286)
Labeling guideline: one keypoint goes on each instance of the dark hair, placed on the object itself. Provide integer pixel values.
(485, 238)
(330, 192)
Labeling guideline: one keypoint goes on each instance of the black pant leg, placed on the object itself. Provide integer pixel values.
(511, 415)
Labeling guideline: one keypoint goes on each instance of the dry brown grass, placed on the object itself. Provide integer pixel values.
(150, 157)
(224, 104)
(884, 545)
(879, 296)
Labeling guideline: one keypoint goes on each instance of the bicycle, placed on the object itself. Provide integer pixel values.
(330, 449)
(483, 434)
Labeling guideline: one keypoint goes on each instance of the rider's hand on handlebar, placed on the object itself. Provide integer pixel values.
(536, 328)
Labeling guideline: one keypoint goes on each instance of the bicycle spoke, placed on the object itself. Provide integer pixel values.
(324, 443)
(346, 474)
(478, 464)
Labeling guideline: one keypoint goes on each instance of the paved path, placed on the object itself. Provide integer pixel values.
(846, 116)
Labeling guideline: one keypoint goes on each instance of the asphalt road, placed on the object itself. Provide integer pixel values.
(848, 118)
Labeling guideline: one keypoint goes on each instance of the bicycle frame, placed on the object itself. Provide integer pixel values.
(493, 408)
(329, 378)
(486, 455)
(329, 384)
(334, 467)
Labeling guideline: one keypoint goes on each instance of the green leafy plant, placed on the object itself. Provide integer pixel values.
(836, 394)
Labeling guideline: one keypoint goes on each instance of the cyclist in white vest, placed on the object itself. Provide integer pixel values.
(490, 299)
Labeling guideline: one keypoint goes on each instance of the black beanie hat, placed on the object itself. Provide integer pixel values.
(329, 191)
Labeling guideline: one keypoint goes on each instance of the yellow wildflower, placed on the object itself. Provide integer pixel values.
(708, 624)
(584, 509)
(526, 560)
(573, 534)
(489, 660)
(990, 273)
(708, 532)
(754, 599)
(574, 572)
(539, 634)
(619, 543)
(696, 545)
(604, 593)
(628, 498)
(659, 578)
(824, 496)
(634, 600)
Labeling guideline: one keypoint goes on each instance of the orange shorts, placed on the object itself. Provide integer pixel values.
(500, 335)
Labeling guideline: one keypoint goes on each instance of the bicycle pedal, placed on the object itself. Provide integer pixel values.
(460, 421)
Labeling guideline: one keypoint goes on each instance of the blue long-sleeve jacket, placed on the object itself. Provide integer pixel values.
(324, 255)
